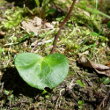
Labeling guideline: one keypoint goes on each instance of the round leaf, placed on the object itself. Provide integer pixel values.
(40, 72)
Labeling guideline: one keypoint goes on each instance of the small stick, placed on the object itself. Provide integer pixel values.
(61, 26)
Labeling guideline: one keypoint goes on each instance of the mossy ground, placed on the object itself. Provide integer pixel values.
(83, 34)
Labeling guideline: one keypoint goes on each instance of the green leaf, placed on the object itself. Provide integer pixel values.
(94, 34)
(40, 72)
(80, 104)
(95, 11)
(80, 83)
(105, 80)
(108, 24)
(37, 3)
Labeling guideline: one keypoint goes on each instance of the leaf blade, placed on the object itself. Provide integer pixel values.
(40, 72)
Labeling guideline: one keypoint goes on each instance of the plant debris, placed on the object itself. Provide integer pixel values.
(36, 25)
(99, 68)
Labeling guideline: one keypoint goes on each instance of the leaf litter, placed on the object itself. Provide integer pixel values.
(99, 68)
(36, 24)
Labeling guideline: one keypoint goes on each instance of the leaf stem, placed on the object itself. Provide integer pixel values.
(61, 26)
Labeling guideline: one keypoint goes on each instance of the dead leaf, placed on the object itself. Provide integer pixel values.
(99, 68)
(37, 21)
(108, 64)
(36, 25)
(29, 27)
(48, 25)
(32, 25)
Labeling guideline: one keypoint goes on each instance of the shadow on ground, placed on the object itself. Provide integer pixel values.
(29, 3)
(12, 81)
